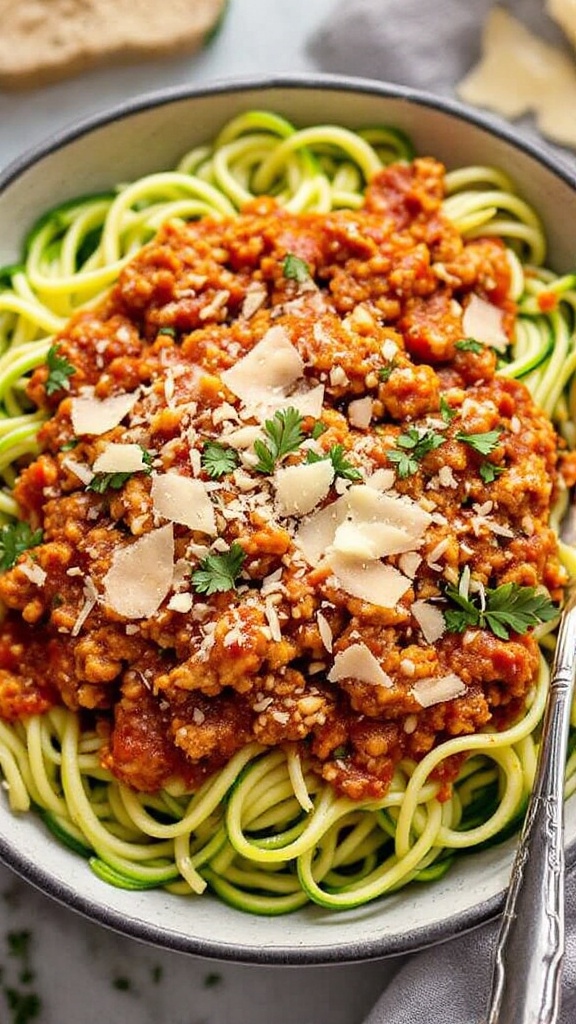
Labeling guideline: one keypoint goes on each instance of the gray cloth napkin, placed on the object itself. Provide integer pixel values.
(450, 983)
(431, 45)
(426, 44)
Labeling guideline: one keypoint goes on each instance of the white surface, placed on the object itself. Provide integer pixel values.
(75, 962)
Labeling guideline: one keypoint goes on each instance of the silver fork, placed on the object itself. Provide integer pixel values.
(530, 946)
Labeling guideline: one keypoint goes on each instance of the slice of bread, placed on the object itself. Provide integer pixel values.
(43, 41)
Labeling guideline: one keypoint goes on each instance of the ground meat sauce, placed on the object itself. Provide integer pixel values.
(369, 304)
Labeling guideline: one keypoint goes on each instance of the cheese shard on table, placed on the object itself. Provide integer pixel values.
(520, 74)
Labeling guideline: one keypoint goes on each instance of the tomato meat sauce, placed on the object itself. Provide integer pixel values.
(277, 458)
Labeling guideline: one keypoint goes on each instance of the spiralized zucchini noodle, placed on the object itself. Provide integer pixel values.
(265, 833)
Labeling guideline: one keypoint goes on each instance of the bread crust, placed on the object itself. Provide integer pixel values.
(43, 41)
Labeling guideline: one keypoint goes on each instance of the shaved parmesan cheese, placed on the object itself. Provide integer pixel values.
(409, 563)
(363, 523)
(368, 505)
(317, 533)
(431, 691)
(96, 416)
(272, 365)
(374, 582)
(90, 600)
(34, 572)
(367, 541)
(272, 619)
(360, 413)
(483, 322)
(325, 631)
(120, 458)
(358, 662)
(183, 500)
(82, 471)
(430, 619)
(307, 403)
(265, 379)
(140, 576)
(300, 488)
(242, 438)
(520, 73)
(255, 297)
(181, 603)
(381, 479)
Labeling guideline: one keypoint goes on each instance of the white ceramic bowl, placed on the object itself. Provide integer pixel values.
(151, 134)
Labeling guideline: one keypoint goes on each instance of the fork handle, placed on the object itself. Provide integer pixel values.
(530, 945)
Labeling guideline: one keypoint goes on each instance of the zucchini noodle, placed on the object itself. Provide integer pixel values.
(265, 833)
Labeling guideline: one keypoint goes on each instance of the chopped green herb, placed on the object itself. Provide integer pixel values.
(385, 371)
(339, 752)
(24, 1006)
(295, 269)
(102, 482)
(470, 345)
(147, 459)
(59, 372)
(19, 943)
(413, 445)
(318, 429)
(481, 443)
(219, 459)
(218, 573)
(15, 538)
(342, 467)
(284, 435)
(505, 609)
(446, 411)
(69, 445)
(170, 331)
(212, 979)
(488, 471)
(122, 984)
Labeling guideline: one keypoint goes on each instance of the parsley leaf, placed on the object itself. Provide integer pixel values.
(446, 411)
(295, 269)
(102, 482)
(218, 459)
(15, 538)
(414, 446)
(318, 429)
(470, 345)
(284, 435)
(385, 371)
(59, 370)
(147, 459)
(488, 471)
(481, 443)
(342, 467)
(218, 573)
(507, 608)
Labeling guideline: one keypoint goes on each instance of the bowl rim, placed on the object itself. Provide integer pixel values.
(77, 128)
(33, 872)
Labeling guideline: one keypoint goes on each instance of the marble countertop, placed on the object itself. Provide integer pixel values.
(78, 971)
